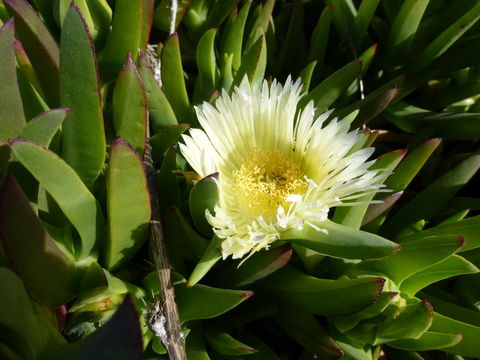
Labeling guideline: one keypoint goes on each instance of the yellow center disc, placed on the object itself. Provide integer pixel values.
(264, 181)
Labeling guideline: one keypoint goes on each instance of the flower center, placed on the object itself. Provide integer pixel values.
(264, 182)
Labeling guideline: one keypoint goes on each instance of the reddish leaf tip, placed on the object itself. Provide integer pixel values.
(17, 44)
(428, 307)
(210, 176)
(129, 60)
(461, 241)
(10, 24)
(172, 36)
(397, 249)
(61, 315)
(246, 294)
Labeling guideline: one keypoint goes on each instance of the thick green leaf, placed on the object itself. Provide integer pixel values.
(447, 304)
(341, 241)
(227, 73)
(330, 89)
(195, 346)
(64, 5)
(203, 197)
(411, 165)
(320, 35)
(39, 44)
(261, 24)
(403, 29)
(469, 345)
(468, 228)
(346, 323)
(214, 302)
(294, 42)
(378, 100)
(130, 107)
(413, 322)
(219, 12)
(128, 205)
(128, 34)
(376, 210)
(166, 138)
(438, 99)
(206, 62)
(452, 266)
(448, 37)
(258, 266)
(83, 131)
(168, 188)
(429, 341)
(50, 277)
(264, 350)
(11, 109)
(305, 329)
(413, 257)
(462, 126)
(456, 217)
(342, 15)
(362, 20)
(18, 323)
(209, 258)
(33, 104)
(254, 62)
(366, 58)
(120, 338)
(352, 352)
(225, 344)
(176, 227)
(322, 296)
(102, 18)
(370, 109)
(160, 112)
(99, 291)
(306, 75)
(68, 190)
(427, 203)
(43, 127)
(234, 37)
(173, 81)
(148, 9)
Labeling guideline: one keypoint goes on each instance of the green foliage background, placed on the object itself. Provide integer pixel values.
(80, 96)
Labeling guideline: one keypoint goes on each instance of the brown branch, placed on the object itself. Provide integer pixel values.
(163, 318)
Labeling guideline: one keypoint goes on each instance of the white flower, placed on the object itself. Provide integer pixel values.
(279, 167)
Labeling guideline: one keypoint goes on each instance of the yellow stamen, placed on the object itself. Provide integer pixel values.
(264, 181)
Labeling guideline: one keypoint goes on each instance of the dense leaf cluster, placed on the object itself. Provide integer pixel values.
(83, 98)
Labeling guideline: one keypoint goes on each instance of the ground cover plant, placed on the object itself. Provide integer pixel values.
(210, 179)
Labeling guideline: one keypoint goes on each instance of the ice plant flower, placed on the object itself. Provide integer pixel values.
(278, 167)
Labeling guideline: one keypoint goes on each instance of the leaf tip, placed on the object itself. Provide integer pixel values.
(428, 307)
(397, 249)
(246, 294)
